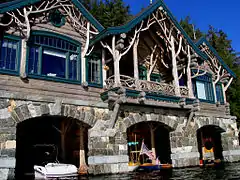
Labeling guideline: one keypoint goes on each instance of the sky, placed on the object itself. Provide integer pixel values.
(221, 14)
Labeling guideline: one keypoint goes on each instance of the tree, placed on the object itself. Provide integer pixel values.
(108, 12)
(191, 30)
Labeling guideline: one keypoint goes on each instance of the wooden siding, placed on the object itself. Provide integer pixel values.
(47, 89)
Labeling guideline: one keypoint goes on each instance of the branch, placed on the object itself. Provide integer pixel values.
(197, 74)
(218, 75)
(179, 47)
(228, 84)
(107, 47)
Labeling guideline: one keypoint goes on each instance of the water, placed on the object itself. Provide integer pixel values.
(230, 172)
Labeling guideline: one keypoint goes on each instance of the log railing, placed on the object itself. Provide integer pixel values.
(147, 86)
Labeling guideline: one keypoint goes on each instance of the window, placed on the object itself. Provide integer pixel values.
(203, 88)
(155, 77)
(94, 70)
(143, 75)
(9, 54)
(54, 57)
(219, 93)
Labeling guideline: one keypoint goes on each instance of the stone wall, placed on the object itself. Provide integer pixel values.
(184, 144)
(107, 146)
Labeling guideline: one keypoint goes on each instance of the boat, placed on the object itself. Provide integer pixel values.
(153, 163)
(50, 167)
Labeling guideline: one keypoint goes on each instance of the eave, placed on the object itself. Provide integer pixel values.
(134, 22)
(12, 5)
(204, 40)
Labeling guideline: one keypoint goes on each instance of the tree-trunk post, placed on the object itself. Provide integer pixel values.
(224, 94)
(153, 144)
(189, 76)
(23, 59)
(82, 161)
(116, 68)
(174, 69)
(214, 92)
(104, 74)
(135, 60)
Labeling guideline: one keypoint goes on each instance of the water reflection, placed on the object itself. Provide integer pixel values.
(230, 172)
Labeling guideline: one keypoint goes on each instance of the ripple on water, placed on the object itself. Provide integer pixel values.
(230, 172)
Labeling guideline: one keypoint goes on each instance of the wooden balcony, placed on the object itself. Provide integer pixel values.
(146, 86)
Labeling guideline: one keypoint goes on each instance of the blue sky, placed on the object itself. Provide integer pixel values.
(221, 14)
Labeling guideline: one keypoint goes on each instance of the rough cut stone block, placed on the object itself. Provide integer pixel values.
(4, 173)
(25, 112)
(107, 159)
(7, 162)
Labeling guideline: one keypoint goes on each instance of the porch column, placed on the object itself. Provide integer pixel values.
(135, 59)
(82, 161)
(104, 72)
(189, 76)
(23, 59)
(116, 68)
(174, 68)
(153, 144)
(214, 92)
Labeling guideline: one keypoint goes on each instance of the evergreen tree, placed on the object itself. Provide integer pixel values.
(108, 12)
(193, 32)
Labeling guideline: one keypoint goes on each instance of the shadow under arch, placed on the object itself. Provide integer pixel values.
(209, 140)
(59, 131)
(159, 140)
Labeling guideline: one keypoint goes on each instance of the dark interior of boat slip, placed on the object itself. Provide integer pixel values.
(162, 141)
(39, 142)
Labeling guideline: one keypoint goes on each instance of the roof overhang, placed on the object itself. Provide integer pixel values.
(15, 4)
(204, 40)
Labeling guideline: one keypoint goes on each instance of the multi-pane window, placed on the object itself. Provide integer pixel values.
(54, 57)
(155, 77)
(143, 75)
(9, 54)
(94, 70)
(219, 93)
(203, 88)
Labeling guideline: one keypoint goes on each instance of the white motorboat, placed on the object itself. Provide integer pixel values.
(55, 170)
(49, 167)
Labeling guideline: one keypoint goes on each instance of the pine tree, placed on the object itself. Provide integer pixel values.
(108, 12)
(193, 32)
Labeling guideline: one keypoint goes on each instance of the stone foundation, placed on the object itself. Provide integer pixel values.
(107, 147)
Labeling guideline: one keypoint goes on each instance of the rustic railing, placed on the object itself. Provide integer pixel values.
(147, 86)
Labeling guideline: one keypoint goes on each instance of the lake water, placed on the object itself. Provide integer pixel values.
(231, 172)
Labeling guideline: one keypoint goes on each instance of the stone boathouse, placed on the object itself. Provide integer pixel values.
(68, 81)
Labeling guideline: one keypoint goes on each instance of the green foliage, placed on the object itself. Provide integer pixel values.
(190, 28)
(108, 12)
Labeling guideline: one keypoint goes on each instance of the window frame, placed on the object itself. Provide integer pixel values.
(18, 54)
(40, 47)
(207, 85)
(221, 95)
(99, 56)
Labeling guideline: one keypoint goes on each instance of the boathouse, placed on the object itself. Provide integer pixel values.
(96, 93)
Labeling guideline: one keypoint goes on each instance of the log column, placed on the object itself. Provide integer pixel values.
(174, 69)
(83, 169)
(135, 59)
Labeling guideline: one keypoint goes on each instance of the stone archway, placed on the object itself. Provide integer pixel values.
(63, 139)
(138, 121)
(29, 110)
(210, 143)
